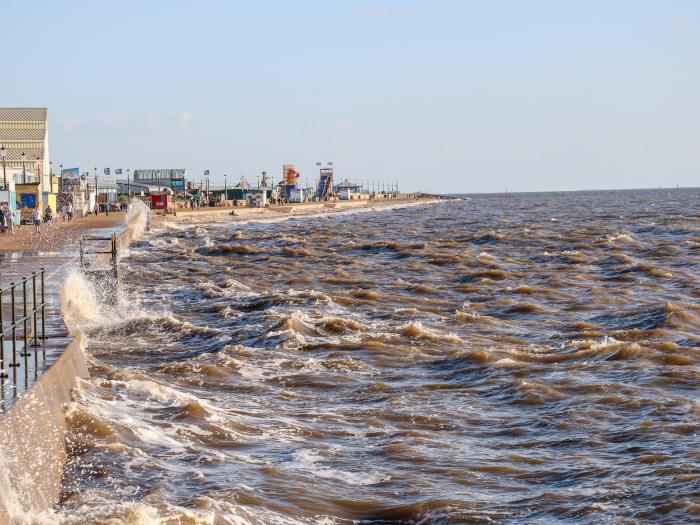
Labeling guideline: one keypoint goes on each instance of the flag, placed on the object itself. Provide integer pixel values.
(318, 164)
(106, 171)
(118, 172)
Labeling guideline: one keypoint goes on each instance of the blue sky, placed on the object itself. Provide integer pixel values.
(460, 96)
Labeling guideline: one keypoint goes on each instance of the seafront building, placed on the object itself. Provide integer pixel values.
(24, 160)
(172, 178)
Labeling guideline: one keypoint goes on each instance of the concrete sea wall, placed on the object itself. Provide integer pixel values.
(33, 430)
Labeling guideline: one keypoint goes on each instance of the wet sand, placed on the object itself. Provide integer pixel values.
(279, 210)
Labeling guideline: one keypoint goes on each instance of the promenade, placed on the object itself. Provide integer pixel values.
(59, 236)
(55, 248)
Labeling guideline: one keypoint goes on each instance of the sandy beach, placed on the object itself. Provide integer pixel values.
(243, 214)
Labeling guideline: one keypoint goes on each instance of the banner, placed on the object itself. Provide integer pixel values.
(177, 184)
(70, 173)
(28, 200)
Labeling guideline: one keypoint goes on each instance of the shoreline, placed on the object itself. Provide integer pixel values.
(283, 211)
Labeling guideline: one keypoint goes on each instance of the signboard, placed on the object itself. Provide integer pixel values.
(28, 200)
(177, 184)
(70, 173)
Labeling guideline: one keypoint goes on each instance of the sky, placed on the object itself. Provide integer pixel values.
(442, 96)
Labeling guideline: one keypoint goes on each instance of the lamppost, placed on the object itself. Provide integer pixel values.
(38, 173)
(3, 153)
(225, 187)
(128, 183)
(23, 157)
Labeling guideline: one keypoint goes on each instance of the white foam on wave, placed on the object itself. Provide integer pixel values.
(137, 218)
(306, 460)
(620, 236)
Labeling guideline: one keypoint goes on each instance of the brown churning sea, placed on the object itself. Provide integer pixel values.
(532, 360)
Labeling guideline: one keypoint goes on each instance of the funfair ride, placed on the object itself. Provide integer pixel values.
(324, 190)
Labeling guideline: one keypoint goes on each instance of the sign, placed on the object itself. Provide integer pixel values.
(118, 172)
(28, 200)
(177, 184)
(206, 172)
(70, 173)
(106, 171)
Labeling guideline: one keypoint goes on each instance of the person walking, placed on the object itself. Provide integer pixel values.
(106, 209)
(70, 212)
(36, 217)
(10, 214)
(97, 209)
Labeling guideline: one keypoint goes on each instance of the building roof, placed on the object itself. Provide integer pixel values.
(23, 114)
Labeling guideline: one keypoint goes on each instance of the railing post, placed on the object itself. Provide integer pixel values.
(14, 363)
(25, 350)
(3, 374)
(34, 310)
(43, 307)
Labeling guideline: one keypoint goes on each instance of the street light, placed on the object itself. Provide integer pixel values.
(23, 157)
(38, 172)
(3, 153)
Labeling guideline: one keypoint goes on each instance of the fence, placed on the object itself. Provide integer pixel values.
(22, 320)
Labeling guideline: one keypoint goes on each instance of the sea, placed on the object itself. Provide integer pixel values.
(525, 358)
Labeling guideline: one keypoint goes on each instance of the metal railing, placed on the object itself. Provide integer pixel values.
(84, 250)
(26, 316)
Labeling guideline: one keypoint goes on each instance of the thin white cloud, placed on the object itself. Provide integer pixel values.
(71, 125)
(676, 26)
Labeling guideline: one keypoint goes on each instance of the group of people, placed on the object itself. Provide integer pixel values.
(7, 219)
(8, 216)
(48, 216)
(113, 207)
(67, 212)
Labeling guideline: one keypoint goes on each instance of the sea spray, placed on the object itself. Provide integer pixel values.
(137, 218)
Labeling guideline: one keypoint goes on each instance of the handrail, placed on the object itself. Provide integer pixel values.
(28, 315)
(88, 237)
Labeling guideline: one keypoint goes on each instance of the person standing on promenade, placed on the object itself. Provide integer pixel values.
(97, 209)
(10, 216)
(106, 209)
(36, 217)
(70, 212)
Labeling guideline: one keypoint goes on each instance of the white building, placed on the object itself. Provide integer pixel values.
(24, 131)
